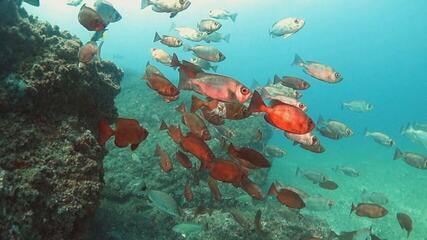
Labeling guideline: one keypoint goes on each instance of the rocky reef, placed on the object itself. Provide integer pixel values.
(51, 167)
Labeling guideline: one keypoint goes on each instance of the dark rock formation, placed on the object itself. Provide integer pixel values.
(51, 170)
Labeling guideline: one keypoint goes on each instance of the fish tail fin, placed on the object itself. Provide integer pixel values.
(233, 17)
(297, 171)
(157, 37)
(353, 208)
(320, 121)
(163, 125)
(272, 190)
(175, 61)
(98, 55)
(397, 154)
(145, 3)
(196, 103)
(105, 132)
(186, 48)
(257, 104)
(276, 79)
(214, 68)
(172, 26)
(227, 38)
(181, 108)
(298, 61)
(366, 132)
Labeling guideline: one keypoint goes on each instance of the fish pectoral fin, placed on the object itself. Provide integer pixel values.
(287, 35)
(173, 14)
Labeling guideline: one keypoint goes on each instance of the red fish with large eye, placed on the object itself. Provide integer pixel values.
(90, 19)
(214, 86)
(227, 171)
(165, 162)
(283, 116)
(159, 83)
(127, 132)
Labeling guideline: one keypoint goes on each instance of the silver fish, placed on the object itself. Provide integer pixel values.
(164, 202)
(222, 14)
(217, 37)
(191, 34)
(206, 65)
(416, 135)
(107, 12)
(380, 138)
(207, 53)
(166, 6)
(313, 176)
(349, 171)
(373, 197)
(412, 159)
(318, 70)
(169, 41)
(208, 25)
(336, 127)
(286, 27)
(359, 106)
(88, 53)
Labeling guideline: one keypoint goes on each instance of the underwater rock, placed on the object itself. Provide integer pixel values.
(51, 169)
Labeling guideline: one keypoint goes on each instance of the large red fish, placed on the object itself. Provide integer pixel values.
(227, 171)
(222, 88)
(287, 197)
(159, 83)
(283, 116)
(127, 132)
(194, 123)
(248, 157)
(90, 19)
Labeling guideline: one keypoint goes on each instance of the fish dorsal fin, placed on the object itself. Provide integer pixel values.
(194, 68)
(276, 103)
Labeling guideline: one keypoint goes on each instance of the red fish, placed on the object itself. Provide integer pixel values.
(248, 157)
(194, 123)
(183, 159)
(90, 19)
(222, 88)
(128, 132)
(188, 194)
(228, 110)
(287, 197)
(159, 83)
(216, 193)
(252, 189)
(165, 162)
(226, 171)
(283, 116)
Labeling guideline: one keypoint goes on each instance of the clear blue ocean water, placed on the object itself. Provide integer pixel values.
(379, 47)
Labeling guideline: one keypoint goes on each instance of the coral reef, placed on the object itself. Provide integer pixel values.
(51, 169)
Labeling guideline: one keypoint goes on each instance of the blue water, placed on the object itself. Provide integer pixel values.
(378, 46)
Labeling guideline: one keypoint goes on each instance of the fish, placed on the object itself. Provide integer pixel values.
(159, 83)
(318, 203)
(282, 116)
(213, 187)
(127, 132)
(205, 65)
(370, 210)
(191, 34)
(326, 132)
(222, 14)
(286, 27)
(226, 171)
(328, 185)
(258, 224)
(208, 25)
(418, 136)
(304, 139)
(90, 19)
(188, 194)
(169, 41)
(287, 100)
(165, 162)
(161, 56)
(89, 53)
(374, 197)
(420, 126)
(248, 157)
(412, 159)
(217, 37)
(273, 151)
(107, 12)
(359, 106)
(35, 3)
(205, 52)
(214, 86)
(227, 110)
(183, 160)
(315, 148)
(164, 202)
(287, 197)
(317, 70)
(212, 117)
(74, 3)
(252, 189)
(405, 222)
(166, 6)
(292, 82)
(380, 138)
(196, 125)
(313, 176)
(275, 90)
(336, 127)
(240, 219)
(349, 171)
(186, 229)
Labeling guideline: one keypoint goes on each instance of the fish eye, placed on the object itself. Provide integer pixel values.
(337, 75)
(314, 139)
(296, 21)
(348, 131)
(301, 106)
(244, 91)
(181, 1)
